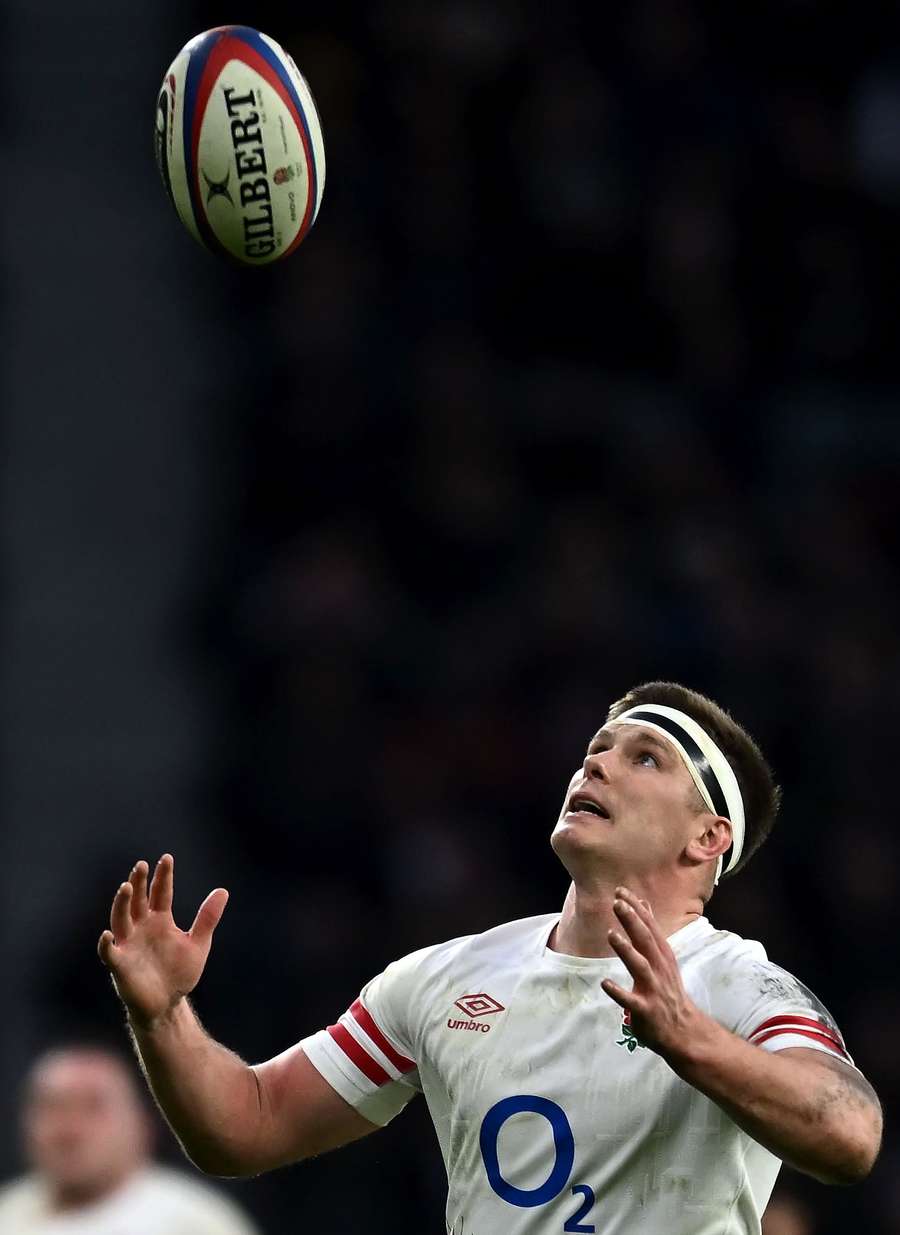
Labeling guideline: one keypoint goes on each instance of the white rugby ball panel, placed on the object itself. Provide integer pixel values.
(239, 145)
(169, 150)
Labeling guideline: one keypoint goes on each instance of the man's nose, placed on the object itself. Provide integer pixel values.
(596, 766)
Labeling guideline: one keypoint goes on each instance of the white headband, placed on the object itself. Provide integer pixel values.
(710, 770)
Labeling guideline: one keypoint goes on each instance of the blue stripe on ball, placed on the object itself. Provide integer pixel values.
(200, 54)
(253, 39)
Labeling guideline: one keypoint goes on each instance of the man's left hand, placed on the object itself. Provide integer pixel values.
(662, 1016)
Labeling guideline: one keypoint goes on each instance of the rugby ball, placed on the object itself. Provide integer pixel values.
(239, 145)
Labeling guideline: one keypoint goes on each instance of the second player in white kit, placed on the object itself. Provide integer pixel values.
(622, 1066)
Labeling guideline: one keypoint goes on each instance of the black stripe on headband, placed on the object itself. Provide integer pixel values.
(696, 756)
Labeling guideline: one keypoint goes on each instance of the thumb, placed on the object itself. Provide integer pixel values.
(208, 916)
(107, 950)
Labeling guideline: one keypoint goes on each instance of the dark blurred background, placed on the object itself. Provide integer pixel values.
(322, 575)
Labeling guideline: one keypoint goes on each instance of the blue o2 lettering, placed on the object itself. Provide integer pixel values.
(574, 1223)
(564, 1160)
(563, 1140)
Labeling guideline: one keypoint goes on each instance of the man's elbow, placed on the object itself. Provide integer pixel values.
(856, 1146)
(222, 1162)
(243, 1162)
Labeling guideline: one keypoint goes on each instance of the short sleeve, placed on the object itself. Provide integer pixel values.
(774, 1010)
(368, 1056)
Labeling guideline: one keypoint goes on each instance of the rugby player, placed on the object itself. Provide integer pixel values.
(88, 1140)
(620, 1066)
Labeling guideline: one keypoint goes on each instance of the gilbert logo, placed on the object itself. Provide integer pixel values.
(218, 188)
(475, 1006)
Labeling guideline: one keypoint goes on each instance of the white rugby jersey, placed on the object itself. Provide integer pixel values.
(551, 1116)
(154, 1201)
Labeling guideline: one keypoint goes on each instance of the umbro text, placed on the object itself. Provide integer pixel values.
(453, 1024)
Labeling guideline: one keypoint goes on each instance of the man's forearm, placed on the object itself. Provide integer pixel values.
(208, 1095)
(818, 1119)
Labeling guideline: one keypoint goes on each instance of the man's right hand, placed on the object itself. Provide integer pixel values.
(153, 963)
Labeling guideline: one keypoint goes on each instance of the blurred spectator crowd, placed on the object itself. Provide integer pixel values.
(586, 375)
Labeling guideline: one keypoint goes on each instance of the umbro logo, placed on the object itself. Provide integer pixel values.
(479, 1005)
(475, 1006)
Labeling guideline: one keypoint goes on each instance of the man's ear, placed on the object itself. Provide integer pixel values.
(711, 839)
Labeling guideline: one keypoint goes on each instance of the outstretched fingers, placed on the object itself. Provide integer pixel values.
(138, 881)
(633, 919)
(120, 922)
(106, 949)
(161, 889)
(635, 962)
(625, 999)
(644, 913)
(209, 915)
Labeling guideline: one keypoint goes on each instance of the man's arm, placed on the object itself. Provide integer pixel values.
(230, 1118)
(816, 1113)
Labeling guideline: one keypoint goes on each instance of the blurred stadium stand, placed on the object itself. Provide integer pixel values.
(321, 576)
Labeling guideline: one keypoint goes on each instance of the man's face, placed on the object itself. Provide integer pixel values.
(629, 809)
(84, 1128)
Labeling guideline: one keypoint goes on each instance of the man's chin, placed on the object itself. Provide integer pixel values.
(572, 842)
(75, 1173)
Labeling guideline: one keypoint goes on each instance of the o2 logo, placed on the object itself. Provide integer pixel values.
(564, 1145)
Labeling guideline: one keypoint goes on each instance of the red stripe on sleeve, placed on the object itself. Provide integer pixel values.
(803, 1033)
(362, 1017)
(352, 1049)
(799, 1020)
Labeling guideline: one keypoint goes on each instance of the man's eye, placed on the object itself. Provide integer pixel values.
(644, 755)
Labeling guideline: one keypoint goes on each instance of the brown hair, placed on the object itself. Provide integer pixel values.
(761, 795)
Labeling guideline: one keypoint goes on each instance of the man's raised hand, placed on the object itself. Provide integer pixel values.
(662, 1016)
(153, 963)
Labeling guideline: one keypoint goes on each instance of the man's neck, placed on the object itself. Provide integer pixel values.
(587, 916)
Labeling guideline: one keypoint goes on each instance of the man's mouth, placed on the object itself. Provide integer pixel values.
(578, 804)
